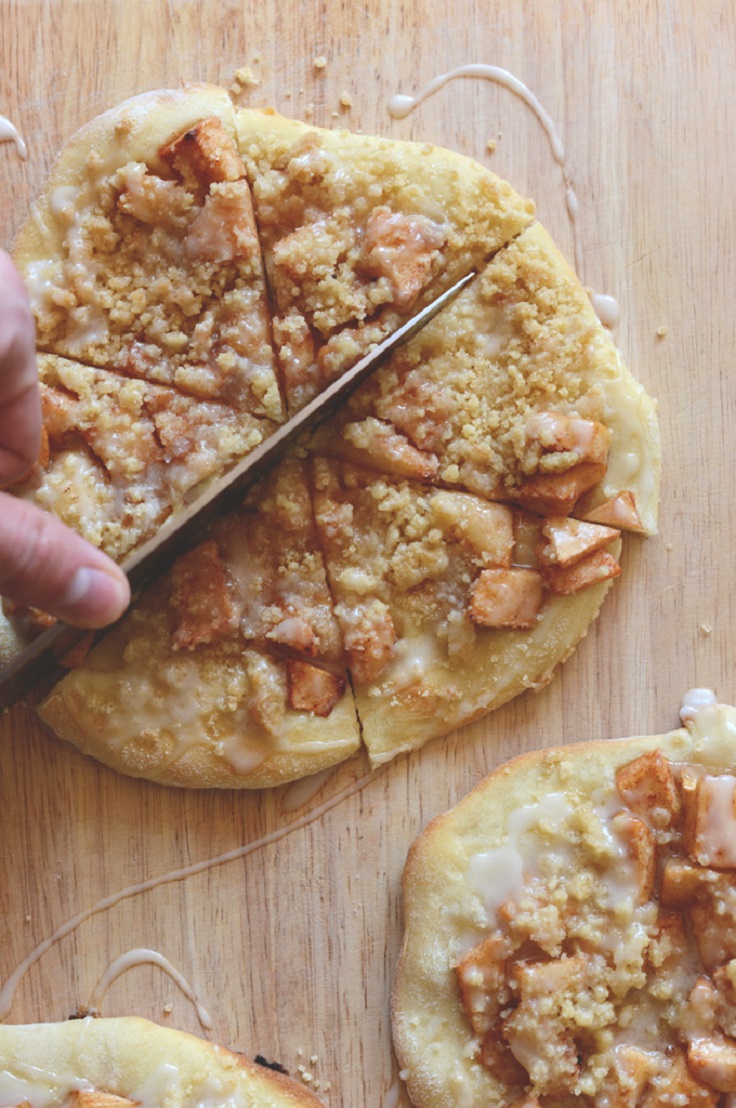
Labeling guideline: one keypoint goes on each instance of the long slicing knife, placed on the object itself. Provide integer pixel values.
(189, 526)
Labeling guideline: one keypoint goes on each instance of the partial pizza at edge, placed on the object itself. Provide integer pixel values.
(124, 1061)
(569, 929)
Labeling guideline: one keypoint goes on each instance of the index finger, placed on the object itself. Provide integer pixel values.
(20, 403)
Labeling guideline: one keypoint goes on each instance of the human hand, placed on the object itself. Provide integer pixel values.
(43, 563)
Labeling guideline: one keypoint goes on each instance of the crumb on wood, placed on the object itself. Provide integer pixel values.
(491, 145)
(662, 331)
(706, 628)
(346, 100)
(244, 78)
(168, 1009)
(320, 62)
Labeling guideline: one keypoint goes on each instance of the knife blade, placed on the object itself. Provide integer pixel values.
(190, 525)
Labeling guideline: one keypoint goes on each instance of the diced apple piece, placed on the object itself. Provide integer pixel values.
(713, 1061)
(713, 840)
(569, 540)
(557, 493)
(630, 1074)
(621, 511)
(640, 843)
(488, 528)
(713, 924)
(402, 248)
(678, 1086)
(369, 637)
(724, 979)
(224, 228)
(481, 977)
(683, 883)
(200, 597)
(506, 598)
(311, 689)
(558, 433)
(525, 1033)
(496, 1056)
(204, 154)
(95, 1099)
(597, 567)
(378, 443)
(648, 787)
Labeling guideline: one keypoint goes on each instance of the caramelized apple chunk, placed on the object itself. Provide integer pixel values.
(506, 598)
(402, 248)
(378, 443)
(481, 977)
(558, 493)
(200, 597)
(488, 528)
(204, 154)
(96, 1099)
(648, 787)
(591, 570)
(565, 541)
(620, 511)
(311, 689)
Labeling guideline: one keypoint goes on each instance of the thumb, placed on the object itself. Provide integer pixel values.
(46, 565)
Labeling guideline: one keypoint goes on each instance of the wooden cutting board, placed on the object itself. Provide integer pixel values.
(292, 947)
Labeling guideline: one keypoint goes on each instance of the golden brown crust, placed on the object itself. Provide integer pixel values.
(121, 1056)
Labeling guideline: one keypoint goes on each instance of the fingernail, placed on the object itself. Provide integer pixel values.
(94, 598)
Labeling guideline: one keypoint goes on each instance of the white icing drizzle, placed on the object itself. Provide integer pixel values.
(393, 1096)
(9, 133)
(694, 701)
(139, 956)
(400, 105)
(301, 792)
(7, 992)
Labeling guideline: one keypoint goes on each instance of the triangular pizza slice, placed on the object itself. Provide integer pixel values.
(228, 672)
(141, 253)
(515, 392)
(358, 232)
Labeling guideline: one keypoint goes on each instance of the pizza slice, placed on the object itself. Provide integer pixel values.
(141, 253)
(570, 929)
(120, 455)
(358, 232)
(445, 608)
(517, 393)
(228, 671)
(126, 1061)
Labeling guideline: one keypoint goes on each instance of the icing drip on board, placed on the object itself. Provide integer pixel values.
(400, 105)
(7, 992)
(139, 956)
(9, 133)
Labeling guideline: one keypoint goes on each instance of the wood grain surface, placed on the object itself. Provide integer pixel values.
(292, 948)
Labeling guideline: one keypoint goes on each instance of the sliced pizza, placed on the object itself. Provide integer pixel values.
(515, 392)
(127, 1061)
(570, 929)
(120, 455)
(468, 500)
(359, 231)
(445, 609)
(141, 253)
(228, 672)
